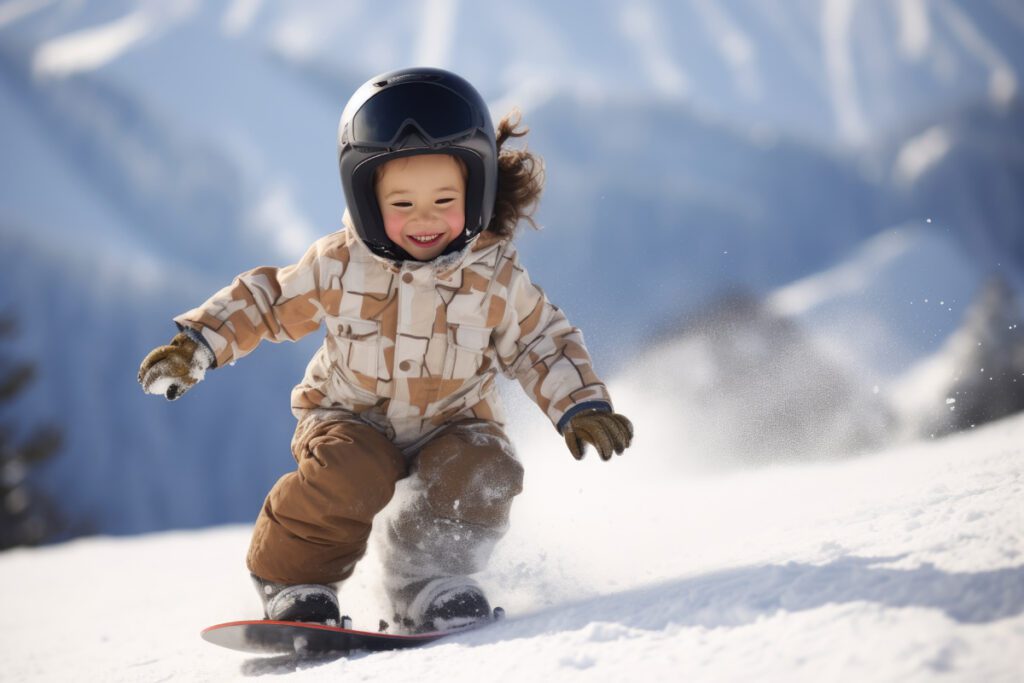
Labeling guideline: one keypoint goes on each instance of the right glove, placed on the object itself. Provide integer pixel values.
(608, 432)
(174, 369)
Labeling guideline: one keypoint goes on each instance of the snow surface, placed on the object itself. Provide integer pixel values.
(903, 565)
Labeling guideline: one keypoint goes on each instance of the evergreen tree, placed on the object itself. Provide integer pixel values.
(27, 517)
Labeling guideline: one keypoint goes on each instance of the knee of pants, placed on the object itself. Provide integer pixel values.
(346, 470)
(470, 474)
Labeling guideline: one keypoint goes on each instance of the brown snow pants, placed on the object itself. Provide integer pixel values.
(316, 521)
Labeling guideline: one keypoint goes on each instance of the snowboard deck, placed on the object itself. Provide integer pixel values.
(309, 639)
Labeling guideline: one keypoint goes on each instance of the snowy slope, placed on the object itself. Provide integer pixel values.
(904, 565)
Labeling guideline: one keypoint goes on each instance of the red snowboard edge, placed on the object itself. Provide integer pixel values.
(263, 636)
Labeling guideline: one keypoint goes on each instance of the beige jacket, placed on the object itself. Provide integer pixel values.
(409, 346)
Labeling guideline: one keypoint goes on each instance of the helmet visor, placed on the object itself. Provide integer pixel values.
(438, 112)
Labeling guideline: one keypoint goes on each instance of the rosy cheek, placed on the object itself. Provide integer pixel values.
(394, 222)
(455, 218)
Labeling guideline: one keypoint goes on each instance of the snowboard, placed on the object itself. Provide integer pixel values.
(309, 639)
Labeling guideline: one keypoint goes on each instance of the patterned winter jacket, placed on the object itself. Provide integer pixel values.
(409, 346)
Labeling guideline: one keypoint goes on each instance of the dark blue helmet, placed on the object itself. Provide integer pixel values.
(415, 111)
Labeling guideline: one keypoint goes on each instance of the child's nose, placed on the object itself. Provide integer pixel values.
(424, 212)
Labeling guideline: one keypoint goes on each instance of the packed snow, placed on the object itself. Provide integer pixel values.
(900, 565)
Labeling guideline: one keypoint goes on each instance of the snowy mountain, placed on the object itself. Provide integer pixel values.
(156, 149)
(829, 70)
(901, 565)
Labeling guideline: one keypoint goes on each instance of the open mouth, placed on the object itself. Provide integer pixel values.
(426, 240)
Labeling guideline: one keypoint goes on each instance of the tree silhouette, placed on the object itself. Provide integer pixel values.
(27, 517)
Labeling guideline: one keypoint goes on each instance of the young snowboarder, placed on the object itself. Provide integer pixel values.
(425, 301)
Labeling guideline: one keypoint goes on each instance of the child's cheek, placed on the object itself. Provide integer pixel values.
(393, 224)
(455, 219)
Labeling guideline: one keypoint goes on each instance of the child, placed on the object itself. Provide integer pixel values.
(424, 300)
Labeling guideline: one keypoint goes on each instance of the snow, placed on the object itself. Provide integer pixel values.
(14, 10)
(1002, 81)
(836, 20)
(915, 29)
(97, 46)
(438, 21)
(921, 153)
(902, 565)
(645, 30)
(239, 16)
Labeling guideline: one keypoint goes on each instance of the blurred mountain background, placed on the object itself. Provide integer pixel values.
(797, 227)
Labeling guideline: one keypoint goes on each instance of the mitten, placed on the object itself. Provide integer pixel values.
(174, 369)
(608, 432)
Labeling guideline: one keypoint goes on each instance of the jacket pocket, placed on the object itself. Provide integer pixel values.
(466, 347)
(358, 343)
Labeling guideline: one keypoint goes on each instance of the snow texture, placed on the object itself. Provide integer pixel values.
(903, 565)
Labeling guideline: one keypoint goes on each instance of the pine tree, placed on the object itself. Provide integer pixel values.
(27, 517)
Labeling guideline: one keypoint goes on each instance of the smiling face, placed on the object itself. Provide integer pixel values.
(422, 201)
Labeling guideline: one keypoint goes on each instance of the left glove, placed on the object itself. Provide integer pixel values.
(174, 369)
(608, 432)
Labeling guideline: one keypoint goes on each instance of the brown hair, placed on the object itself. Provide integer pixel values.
(520, 179)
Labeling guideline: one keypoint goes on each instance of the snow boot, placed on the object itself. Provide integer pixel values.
(309, 602)
(443, 604)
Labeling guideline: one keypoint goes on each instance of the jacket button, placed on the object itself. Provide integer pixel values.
(407, 278)
(404, 366)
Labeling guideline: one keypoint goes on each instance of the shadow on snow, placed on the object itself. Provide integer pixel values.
(740, 596)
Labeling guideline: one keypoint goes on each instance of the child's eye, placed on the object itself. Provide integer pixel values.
(446, 200)
(401, 205)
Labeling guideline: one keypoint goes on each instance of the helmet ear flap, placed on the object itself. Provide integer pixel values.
(365, 211)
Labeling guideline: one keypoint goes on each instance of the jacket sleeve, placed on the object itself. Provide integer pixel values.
(537, 345)
(277, 304)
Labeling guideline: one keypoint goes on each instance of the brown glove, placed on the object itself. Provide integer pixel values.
(608, 432)
(174, 369)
